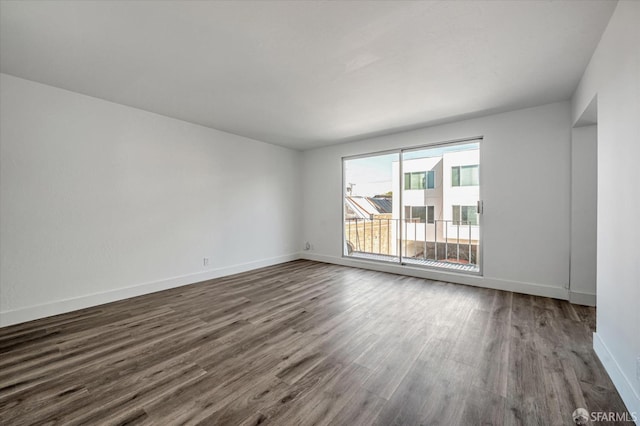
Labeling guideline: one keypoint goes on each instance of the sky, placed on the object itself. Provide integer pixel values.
(372, 175)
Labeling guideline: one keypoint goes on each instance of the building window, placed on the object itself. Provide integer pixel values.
(430, 214)
(465, 215)
(415, 213)
(414, 180)
(465, 176)
(420, 180)
(431, 179)
(419, 214)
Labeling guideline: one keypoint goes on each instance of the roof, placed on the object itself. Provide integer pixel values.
(382, 204)
(364, 207)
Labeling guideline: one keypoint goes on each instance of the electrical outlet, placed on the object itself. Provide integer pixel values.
(307, 246)
(205, 261)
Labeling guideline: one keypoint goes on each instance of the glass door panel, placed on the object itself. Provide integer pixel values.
(439, 225)
(369, 228)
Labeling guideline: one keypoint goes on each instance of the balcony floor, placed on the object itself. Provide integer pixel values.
(441, 264)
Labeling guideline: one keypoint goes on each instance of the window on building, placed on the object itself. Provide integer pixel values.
(431, 179)
(415, 213)
(465, 176)
(430, 214)
(465, 215)
(420, 180)
(419, 214)
(415, 180)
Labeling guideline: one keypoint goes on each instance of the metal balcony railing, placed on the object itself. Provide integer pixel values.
(441, 240)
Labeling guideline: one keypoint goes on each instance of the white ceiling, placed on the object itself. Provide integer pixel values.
(306, 74)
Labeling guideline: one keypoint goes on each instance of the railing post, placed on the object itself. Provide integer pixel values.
(435, 243)
(415, 236)
(424, 251)
(388, 237)
(446, 239)
(398, 244)
(372, 235)
(364, 229)
(458, 243)
(406, 231)
(469, 257)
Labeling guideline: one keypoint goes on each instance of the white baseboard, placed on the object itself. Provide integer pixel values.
(622, 383)
(556, 292)
(67, 305)
(579, 298)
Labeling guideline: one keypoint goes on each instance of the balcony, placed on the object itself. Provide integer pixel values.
(443, 244)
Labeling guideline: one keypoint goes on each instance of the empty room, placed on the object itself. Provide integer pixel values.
(319, 212)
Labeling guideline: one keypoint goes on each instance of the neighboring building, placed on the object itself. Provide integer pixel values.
(461, 192)
(439, 204)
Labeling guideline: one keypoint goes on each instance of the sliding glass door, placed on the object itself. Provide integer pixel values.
(418, 207)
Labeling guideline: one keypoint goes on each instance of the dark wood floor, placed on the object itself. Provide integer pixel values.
(307, 343)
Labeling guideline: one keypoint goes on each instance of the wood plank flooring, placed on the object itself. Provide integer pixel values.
(307, 343)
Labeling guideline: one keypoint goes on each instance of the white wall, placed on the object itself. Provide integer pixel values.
(525, 177)
(460, 195)
(614, 76)
(100, 201)
(584, 190)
